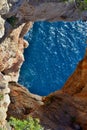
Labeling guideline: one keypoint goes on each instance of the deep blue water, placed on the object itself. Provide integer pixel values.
(54, 51)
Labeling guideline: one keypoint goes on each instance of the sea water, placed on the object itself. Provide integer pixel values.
(55, 48)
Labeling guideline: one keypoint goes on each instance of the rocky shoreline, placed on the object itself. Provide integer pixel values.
(62, 110)
(16, 18)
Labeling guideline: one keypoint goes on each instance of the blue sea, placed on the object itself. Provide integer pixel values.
(55, 48)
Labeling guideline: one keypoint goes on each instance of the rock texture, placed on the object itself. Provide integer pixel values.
(22, 101)
(77, 83)
(4, 100)
(22, 11)
(67, 109)
(4, 7)
(11, 58)
(46, 10)
(2, 21)
(15, 17)
(11, 53)
(62, 110)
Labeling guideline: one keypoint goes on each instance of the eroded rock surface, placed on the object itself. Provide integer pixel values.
(4, 7)
(12, 46)
(4, 100)
(2, 29)
(22, 102)
(77, 83)
(65, 109)
(46, 10)
(11, 52)
(62, 110)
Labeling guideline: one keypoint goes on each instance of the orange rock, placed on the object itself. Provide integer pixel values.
(62, 110)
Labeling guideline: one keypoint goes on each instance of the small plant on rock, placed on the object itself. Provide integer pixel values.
(81, 4)
(28, 124)
(1, 96)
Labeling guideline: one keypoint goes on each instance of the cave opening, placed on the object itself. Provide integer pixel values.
(55, 48)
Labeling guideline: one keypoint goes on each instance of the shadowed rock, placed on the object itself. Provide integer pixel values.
(22, 102)
(62, 110)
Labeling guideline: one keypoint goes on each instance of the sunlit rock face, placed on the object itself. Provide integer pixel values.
(62, 110)
(54, 51)
(4, 8)
(15, 17)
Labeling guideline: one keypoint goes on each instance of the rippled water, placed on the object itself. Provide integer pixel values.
(54, 51)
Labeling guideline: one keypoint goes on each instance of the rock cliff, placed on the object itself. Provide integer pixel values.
(16, 18)
(62, 110)
(67, 108)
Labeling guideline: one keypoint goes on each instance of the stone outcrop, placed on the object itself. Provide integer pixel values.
(22, 11)
(78, 80)
(22, 101)
(11, 58)
(15, 17)
(4, 7)
(11, 51)
(31, 10)
(2, 21)
(62, 110)
(4, 100)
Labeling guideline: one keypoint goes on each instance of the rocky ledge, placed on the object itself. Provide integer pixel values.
(16, 18)
(62, 110)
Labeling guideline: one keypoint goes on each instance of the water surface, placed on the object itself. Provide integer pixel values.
(54, 51)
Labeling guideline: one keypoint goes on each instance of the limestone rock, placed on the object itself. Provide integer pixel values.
(11, 58)
(78, 80)
(58, 112)
(4, 100)
(62, 110)
(46, 10)
(1, 27)
(67, 107)
(11, 52)
(4, 8)
(22, 101)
